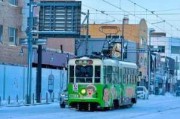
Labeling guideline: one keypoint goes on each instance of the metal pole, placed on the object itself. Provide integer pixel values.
(39, 75)
(122, 41)
(87, 32)
(23, 82)
(29, 73)
(67, 71)
(4, 83)
(149, 66)
(149, 59)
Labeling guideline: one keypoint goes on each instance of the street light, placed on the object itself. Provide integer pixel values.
(151, 30)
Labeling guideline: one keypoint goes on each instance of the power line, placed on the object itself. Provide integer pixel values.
(153, 13)
(129, 13)
(120, 13)
(103, 12)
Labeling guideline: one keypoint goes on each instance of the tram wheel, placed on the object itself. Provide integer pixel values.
(116, 104)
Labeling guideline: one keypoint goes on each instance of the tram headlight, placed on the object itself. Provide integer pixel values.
(83, 91)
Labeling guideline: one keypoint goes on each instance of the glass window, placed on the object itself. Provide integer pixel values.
(117, 75)
(139, 88)
(120, 76)
(105, 74)
(109, 69)
(71, 74)
(109, 74)
(124, 78)
(12, 35)
(161, 49)
(13, 2)
(1, 33)
(84, 73)
(177, 65)
(97, 74)
(175, 49)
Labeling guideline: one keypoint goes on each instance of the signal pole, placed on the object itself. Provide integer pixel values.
(29, 72)
(87, 31)
(122, 41)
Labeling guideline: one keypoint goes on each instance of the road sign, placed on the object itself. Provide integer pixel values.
(23, 41)
(36, 41)
(40, 41)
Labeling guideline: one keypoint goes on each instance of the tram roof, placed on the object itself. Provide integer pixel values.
(127, 64)
(109, 61)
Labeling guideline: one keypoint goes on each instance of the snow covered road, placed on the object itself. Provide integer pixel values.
(166, 107)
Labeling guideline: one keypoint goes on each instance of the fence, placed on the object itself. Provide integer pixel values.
(13, 84)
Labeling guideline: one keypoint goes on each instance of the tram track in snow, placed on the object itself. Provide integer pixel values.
(152, 113)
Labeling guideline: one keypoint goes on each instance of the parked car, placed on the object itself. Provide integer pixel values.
(142, 92)
(63, 99)
(178, 91)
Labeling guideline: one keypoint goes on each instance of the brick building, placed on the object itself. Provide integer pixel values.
(13, 25)
(10, 31)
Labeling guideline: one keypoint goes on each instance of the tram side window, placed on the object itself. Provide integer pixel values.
(123, 75)
(105, 74)
(71, 74)
(97, 74)
(109, 75)
(120, 76)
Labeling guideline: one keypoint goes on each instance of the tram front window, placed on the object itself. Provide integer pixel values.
(84, 74)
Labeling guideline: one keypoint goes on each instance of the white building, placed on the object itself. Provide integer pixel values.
(169, 47)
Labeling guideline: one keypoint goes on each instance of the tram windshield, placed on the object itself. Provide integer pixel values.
(84, 74)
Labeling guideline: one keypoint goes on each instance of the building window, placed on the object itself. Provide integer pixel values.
(12, 35)
(1, 33)
(175, 49)
(161, 49)
(13, 2)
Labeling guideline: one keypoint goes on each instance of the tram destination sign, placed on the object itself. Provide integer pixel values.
(59, 19)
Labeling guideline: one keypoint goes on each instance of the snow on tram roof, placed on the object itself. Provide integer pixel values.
(128, 64)
(110, 62)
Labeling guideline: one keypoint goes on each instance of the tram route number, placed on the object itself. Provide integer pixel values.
(75, 87)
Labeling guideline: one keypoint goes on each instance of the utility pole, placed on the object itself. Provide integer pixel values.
(149, 59)
(29, 72)
(122, 41)
(39, 74)
(87, 31)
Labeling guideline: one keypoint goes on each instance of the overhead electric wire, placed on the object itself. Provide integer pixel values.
(154, 13)
(120, 13)
(129, 13)
(102, 12)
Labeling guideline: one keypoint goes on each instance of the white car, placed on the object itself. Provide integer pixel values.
(142, 92)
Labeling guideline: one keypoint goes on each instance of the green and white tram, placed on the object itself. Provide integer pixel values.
(101, 83)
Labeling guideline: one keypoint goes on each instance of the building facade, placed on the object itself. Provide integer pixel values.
(13, 26)
(11, 30)
(169, 50)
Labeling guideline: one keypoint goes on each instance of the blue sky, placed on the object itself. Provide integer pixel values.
(109, 11)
